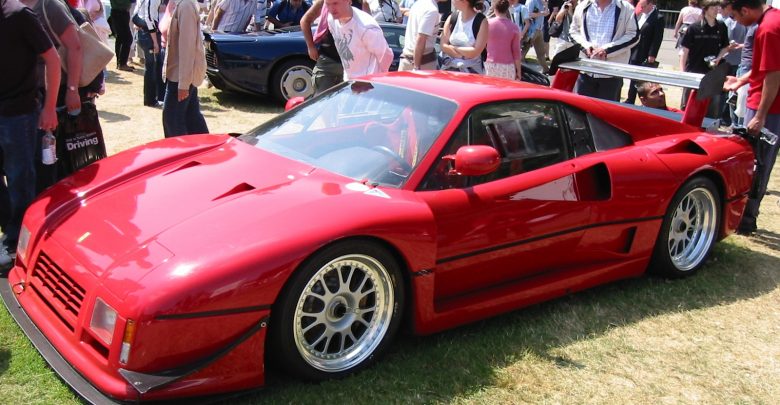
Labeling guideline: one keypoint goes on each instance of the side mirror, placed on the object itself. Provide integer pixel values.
(474, 160)
(293, 102)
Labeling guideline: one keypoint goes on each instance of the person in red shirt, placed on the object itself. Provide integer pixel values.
(763, 105)
(652, 95)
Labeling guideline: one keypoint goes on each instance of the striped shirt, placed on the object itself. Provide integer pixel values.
(237, 14)
(600, 24)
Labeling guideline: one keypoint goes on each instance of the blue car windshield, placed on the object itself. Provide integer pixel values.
(365, 131)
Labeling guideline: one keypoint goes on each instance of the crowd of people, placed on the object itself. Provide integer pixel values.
(345, 40)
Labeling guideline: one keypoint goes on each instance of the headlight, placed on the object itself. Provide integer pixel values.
(103, 321)
(24, 240)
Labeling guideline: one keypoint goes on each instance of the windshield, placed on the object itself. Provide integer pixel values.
(365, 131)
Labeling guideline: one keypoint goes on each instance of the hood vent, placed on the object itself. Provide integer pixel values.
(187, 165)
(241, 188)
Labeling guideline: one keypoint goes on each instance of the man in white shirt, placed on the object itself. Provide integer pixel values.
(606, 30)
(233, 15)
(421, 30)
(359, 40)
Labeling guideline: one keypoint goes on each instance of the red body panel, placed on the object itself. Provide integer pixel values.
(194, 238)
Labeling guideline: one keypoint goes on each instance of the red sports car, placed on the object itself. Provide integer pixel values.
(422, 199)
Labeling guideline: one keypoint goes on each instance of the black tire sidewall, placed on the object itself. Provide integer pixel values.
(661, 263)
(281, 343)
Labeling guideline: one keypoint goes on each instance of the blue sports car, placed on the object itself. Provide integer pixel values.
(276, 62)
(273, 62)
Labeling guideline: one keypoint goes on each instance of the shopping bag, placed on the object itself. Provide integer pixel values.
(79, 140)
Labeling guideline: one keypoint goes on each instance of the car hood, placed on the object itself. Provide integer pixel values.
(216, 198)
(222, 37)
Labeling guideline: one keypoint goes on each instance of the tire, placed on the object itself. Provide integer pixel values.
(292, 78)
(529, 74)
(338, 313)
(689, 230)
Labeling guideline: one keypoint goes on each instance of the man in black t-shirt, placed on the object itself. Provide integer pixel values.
(23, 40)
(703, 46)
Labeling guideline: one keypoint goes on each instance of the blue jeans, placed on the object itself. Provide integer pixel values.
(153, 84)
(182, 117)
(765, 156)
(17, 141)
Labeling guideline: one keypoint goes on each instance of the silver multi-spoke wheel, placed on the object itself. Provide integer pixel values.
(343, 313)
(692, 229)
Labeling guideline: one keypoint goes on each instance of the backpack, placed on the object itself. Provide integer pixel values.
(474, 27)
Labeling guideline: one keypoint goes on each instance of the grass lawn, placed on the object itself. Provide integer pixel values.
(711, 338)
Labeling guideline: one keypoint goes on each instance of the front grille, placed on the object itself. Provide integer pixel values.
(211, 59)
(62, 294)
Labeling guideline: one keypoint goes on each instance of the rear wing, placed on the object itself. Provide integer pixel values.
(567, 65)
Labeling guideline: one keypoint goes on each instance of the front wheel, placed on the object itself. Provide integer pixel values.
(339, 312)
(689, 229)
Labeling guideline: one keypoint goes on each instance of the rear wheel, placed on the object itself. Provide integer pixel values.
(339, 312)
(293, 78)
(689, 229)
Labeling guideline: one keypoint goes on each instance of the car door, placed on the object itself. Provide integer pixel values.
(520, 221)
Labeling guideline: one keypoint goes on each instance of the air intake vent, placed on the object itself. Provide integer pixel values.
(686, 146)
(62, 294)
(243, 187)
(184, 166)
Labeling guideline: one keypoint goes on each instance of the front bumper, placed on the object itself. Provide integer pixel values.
(68, 374)
(215, 374)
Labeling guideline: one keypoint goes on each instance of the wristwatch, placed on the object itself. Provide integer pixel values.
(73, 88)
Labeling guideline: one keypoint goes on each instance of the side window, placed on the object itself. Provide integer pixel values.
(528, 136)
(605, 136)
(581, 141)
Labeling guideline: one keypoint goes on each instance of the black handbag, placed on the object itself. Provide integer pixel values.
(140, 22)
(556, 29)
(79, 140)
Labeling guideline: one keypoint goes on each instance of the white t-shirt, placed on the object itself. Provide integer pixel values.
(360, 43)
(385, 10)
(423, 18)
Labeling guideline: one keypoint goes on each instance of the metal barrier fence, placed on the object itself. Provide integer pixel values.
(670, 17)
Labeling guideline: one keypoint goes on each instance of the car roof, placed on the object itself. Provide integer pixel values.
(467, 89)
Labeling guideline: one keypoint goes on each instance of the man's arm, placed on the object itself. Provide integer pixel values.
(658, 37)
(70, 40)
(308, 18)
(419, 49)
(576, 29)
(768, 95)
(48, 119)
(683, 58)
(217, 18)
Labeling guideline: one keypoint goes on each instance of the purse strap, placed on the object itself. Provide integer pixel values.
(48, 24)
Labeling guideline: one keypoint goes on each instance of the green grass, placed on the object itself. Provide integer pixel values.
(711, 338)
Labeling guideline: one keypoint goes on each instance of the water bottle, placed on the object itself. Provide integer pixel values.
(49, 152)
(768, 137)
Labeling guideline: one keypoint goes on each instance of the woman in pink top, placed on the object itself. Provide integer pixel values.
(503, 47)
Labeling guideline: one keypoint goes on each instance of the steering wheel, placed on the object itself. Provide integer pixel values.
(404, 165)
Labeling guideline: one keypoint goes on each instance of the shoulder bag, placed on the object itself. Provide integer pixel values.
(95, 53)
